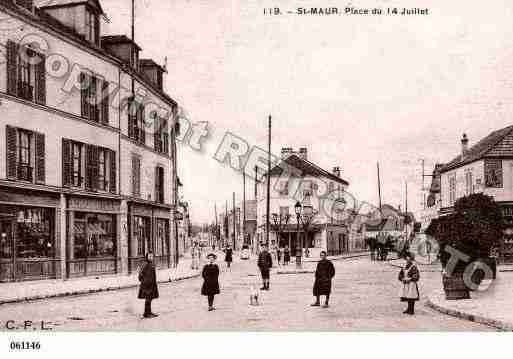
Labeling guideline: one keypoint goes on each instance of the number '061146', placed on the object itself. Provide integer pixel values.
(25, 346)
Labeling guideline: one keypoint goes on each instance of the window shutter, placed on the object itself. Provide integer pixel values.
(157, 184)
(113, 174)
(84, 87)
(12, 67)
(131, 119)
(66, 162)
(136, 172)
(11, 151)
(96, 30)
(40, 157)
(41, 80)
(105, 103)
(156, 134)
(140, 120)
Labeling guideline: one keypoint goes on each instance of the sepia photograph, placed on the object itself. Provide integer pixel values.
(254, 168)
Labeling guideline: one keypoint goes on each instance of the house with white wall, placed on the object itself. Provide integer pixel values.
(322, 225)
(486, 167)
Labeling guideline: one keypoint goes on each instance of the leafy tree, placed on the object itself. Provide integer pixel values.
(473, 228)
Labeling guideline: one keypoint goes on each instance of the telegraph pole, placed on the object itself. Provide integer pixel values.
(243, 207)
(379, 188)
(234, 234)
(268, 198)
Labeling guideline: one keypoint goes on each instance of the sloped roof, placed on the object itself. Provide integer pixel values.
(150, 62)
(118, 39)
(60, 3)
(497, 144)
(300, 167)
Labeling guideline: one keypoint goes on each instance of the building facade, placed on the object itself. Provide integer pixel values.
(87, 169)
(322, 224)
(486, 167)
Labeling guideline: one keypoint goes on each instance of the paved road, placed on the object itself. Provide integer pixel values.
(365, 298)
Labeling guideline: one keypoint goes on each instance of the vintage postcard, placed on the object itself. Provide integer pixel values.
(244, 166)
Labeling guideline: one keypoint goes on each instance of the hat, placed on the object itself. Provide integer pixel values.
(211, 255)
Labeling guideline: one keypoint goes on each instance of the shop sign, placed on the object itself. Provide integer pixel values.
(93, 204)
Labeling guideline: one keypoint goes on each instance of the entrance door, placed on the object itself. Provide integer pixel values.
(7, 264)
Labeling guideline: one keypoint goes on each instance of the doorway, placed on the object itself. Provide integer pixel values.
(7, 263)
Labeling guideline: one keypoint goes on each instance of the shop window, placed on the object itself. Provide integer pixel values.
(26, 75)
(141, 235)
(35, 233)
(25, 155)
(94, 236)
(162, 237)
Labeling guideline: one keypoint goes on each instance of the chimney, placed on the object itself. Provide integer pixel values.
(336, 171)
(285, 152)
(464, 145)
(303, 153)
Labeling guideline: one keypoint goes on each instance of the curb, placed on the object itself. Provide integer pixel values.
(89, 291)
(499, 324)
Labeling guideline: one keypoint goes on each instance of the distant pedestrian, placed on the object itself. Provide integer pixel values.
(278, 255)
(228, 256)
(210, 276)
(286, 256)
(148, 289)
(324, 273)
(265, 263)
(409, 276)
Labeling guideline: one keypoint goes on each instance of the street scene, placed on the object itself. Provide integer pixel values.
(229, 166)
(285, 307)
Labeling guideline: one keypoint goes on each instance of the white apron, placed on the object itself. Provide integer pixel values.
(409, 290)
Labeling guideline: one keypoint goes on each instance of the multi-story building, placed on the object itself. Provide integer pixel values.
(87, 172)
(321, 193)
(486, 167)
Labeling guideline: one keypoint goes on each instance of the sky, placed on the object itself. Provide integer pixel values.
(354, 89)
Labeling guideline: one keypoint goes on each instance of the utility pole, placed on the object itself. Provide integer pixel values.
(243, 207)
(234, 234)
(379, 188)
(268, 198)
(216, 228)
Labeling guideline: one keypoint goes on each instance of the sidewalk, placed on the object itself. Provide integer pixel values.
(35, 290)
(492, 307)
(309, 264)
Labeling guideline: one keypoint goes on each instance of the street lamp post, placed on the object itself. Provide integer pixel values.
(297, 209)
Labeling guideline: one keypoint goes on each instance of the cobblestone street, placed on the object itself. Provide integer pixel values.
(365, 297)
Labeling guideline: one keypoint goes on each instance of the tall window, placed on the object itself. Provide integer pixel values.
(94, 98)
(25, 155)
(26, 75)
(452, 190)
(136, 123)
(159, 184)
(161, 136)
(469, 183)
(92, 27)
(77, 164)
(88, 167)
(136, 175)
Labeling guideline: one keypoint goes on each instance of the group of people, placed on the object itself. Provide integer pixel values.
(324, 273)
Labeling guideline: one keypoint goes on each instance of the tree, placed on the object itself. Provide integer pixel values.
(473, 228)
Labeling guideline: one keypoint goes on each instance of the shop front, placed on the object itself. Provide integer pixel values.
(92, 237)
(29, 249)
(149, 232)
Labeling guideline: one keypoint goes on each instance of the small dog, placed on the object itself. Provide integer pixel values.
(253, 296)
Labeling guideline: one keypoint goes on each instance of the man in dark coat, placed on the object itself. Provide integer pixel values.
(265, 263)
(148, 289)
(228, 256)
(286, 255)
(322, 286)
(210, 276)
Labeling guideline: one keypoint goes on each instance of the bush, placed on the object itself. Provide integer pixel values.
(473, 228)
